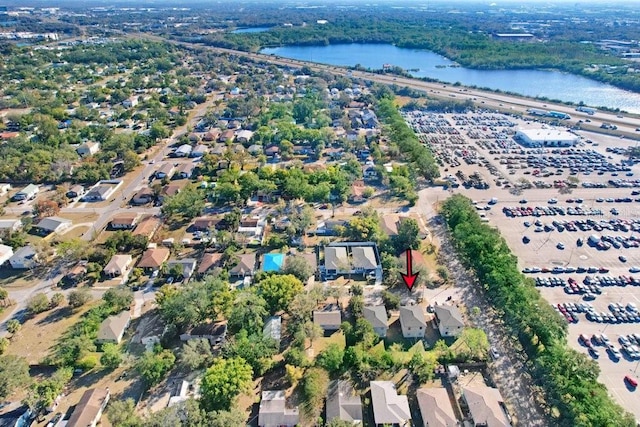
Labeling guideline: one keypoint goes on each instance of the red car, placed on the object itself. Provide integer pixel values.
(631, 381)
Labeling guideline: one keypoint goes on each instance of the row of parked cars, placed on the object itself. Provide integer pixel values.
(538, 211)
(567, 269)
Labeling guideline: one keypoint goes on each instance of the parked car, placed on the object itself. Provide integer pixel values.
(631, 381)
(493, 352)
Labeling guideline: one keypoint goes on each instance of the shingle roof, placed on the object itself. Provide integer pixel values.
(364, 257)
(411, 315)
(89, 407)
(335, 258)
(388, 406)
(484, 405)
(154, 257)
(376, 315)
(436, 408)
(449, 316)
(343, 402)
(112, 327)
(273, 411)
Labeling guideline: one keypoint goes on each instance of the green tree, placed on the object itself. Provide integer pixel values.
(224, 381)
(315, 384)
(14, 374)
(248, 313)
(187, 204)
(408, 236)
(122, 413)
(42, 393)
(331, 358)
(57, 299)
(195, 354)
(37, 304)
(111, 356)
(118, 299)
(256, 350)
(422, 365)
(13, 326)
(279, 290)
(298, 267)
(472, 343)
(153, 366)
(79, 297)
(4, 345)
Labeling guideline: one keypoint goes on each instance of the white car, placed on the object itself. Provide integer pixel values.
(493, 352)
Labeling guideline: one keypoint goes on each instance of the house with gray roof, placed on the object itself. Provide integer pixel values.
(188, 266)
(436, 408)
(328, 318)
(377, 316)
(412, 321)
(347, 258)
(343, 403)
(53, 224)
(388, 406)
(273, 410)
(113, 327)
(449, 320)
(23, 258)
(246, 266)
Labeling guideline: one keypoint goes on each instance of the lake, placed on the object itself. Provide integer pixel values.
(423, 63)
(250, 30)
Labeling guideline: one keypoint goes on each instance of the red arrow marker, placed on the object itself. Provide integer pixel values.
(409, 278)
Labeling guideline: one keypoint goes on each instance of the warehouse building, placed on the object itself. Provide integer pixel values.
(546, 137)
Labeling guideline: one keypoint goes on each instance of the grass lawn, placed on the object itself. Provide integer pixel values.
(38, 334)
(320, 344)
(17, 279)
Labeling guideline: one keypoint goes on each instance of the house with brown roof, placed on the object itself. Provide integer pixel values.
(169, 190)
(88, 411)
(486, 406)
(184, 171)
(153, 258)
(113, 327)
(357, 191)
(436, 408)
(166, 170)
(246, 266)
(209, 262)
(214, 332)
(147, 227)
(143, 196)
(227, 136)
(124, 221)
(204, 223)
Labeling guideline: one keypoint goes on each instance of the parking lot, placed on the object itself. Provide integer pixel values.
(557, 208)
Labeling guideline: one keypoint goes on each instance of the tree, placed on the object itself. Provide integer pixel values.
(4, 297)
(79, 297)
(315, 384)
(443, 273)
(118, 299)
(13, 326)
(422, 365)
(122, 413)
(408, 236)
(190, 414)
(279, 290)
(195, 354)
(4, 345)
(37, 304)
(42, 393)
(187, 204)
(391, 301)
(293, 374)
(224, 381)
(111, 356)
(255, 349)
(44, 208)
(14, 374)
(248, 313)
(331, 358)
(311, 331)
(298, 267)
(153, 366)
(72, 250)
(476, 343)
(57, 299)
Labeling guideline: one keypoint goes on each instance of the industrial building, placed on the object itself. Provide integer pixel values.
(546, 137)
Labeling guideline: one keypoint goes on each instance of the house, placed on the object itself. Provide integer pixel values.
(436, 408)
(118, 266)
(199, 151)
(273, 329)
(165, 171)
(272, 152)
(204, 223)
(10, 225)
(88, 149)
(388, 406)
(75, 275)
(449, 320)
(88, 411)
(486, 406)
(99, 193)
(183, 151)
(329, 227)
(250, 231)
(357, 191)
(209, 262)
(273, 410)
(75, 191)
(113, 327)
(147, 227)
(227, 136)
(6, 252)
(27, 193)
(343, 403)
(124, 221)
(143, 196)
(364, 259)
(329, 318)
(412, 321)
(246, 266)
(369, 172)
(5, 136)
(243, 136)
(153, 258)
(212, 135)
(184, 171)
(389, 224)
(169, 190)
(53, 224)
(130, 102)
(254, 149)
(23, 258)
(377, 316)
(215, 332)
(273, 262)
(188, 266)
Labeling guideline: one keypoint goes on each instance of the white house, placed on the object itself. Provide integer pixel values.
(377, 316)
(6, 252)
(388, 406)
(118, 266)
(27, 193)
(412, 321)
(130, 102)
(449, 320)
(53, 224)
(88, 149)
(10, 225)
(4, 188)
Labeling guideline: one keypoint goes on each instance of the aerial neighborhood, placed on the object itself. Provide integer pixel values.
(197, 233)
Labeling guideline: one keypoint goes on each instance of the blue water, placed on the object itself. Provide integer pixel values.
(250, 30)
(551, 84)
